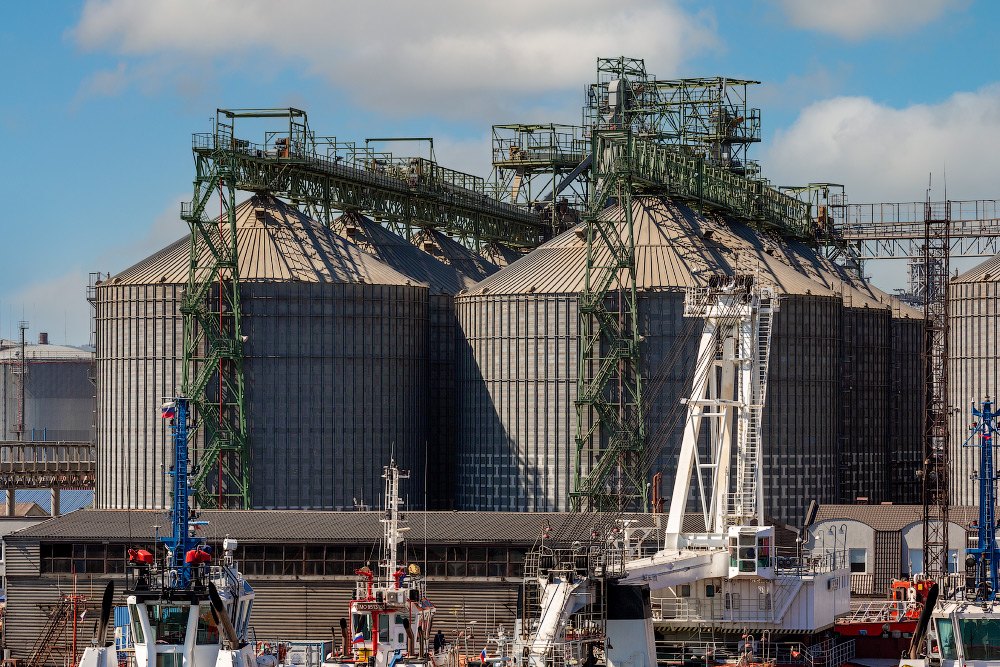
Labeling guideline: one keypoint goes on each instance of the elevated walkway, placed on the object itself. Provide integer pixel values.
(46, 465)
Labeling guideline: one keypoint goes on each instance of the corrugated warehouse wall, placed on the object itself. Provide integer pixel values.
(335, 364)
(58, 393)
(974, 367)
(444, 273)
(517, 373)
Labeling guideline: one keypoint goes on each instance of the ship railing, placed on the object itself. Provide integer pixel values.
(723, 608)
(567, 653)
(729, 652)
(803, 562)
(881, 611)
(578, 561)
(830, 654)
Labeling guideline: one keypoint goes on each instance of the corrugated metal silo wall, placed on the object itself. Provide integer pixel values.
(442, 402)
(864, 404)
(516, 386)
(140, 351)
(668, 353)
(58, 400)
(516, 382)
(974, 372)
(336, 381)
(906, 393)
(801, 415)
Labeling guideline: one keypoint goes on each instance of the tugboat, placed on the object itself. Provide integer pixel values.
(390, 616)
(184, 610)
(965, 630)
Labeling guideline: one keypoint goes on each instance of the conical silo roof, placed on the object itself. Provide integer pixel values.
(857, 291)
(501, 255)
(402, 255)
(675, 248)
(453, 253)
(276, 242)
(985, 272)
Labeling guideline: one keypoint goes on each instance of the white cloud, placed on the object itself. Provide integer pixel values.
(454, 57)
(885, 154)
(858, 19)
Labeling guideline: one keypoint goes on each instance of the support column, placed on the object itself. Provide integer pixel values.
(10, 502)
(54, 506)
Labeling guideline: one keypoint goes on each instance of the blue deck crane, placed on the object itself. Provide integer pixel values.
(983, 561)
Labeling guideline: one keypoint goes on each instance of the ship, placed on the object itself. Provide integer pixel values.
(391, 619)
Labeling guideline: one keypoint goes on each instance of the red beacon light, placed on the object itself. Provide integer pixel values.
(196, 556)
(140, 556)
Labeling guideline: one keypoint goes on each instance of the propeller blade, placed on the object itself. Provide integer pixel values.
(107, 603)
(222, 618)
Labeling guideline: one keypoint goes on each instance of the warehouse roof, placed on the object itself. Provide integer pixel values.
(335, 527)
(891, 517)
(276, 242)
(312, 526)
(46, 353)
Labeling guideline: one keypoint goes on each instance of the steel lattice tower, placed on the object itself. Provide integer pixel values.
(937, 248)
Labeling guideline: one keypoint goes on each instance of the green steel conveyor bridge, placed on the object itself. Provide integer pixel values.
(325, 177)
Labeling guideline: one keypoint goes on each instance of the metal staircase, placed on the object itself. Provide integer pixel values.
(750, 462)
(48, 640)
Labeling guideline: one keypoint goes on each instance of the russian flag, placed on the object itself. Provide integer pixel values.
(482, 656)
(168, 411)
(358, 638)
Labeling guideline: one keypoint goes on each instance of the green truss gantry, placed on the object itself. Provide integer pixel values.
(323, 177)
(682, 138)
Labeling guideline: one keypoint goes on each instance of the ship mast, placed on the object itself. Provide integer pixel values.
(391, 519)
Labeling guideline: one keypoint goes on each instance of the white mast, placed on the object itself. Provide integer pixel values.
(729, 387)
(390, 519)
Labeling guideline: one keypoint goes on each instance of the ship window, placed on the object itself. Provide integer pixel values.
(858, 560)
(169, 623)
(685, 591)
(208, 630)
(137, 635)
(946, 639)
(383, 627)
(980, 638)
(363, 624)
(710, 591)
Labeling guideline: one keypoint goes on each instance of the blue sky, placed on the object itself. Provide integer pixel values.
(101, 98)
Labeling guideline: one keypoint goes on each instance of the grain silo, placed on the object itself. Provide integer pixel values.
(973, 367)
(334, 361)
(444, 281)
(49, 396)
(517, 373)
(881, 377)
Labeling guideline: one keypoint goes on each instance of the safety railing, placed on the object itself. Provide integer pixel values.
(34, 457)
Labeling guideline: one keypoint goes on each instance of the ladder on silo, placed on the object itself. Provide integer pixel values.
(749, 471)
